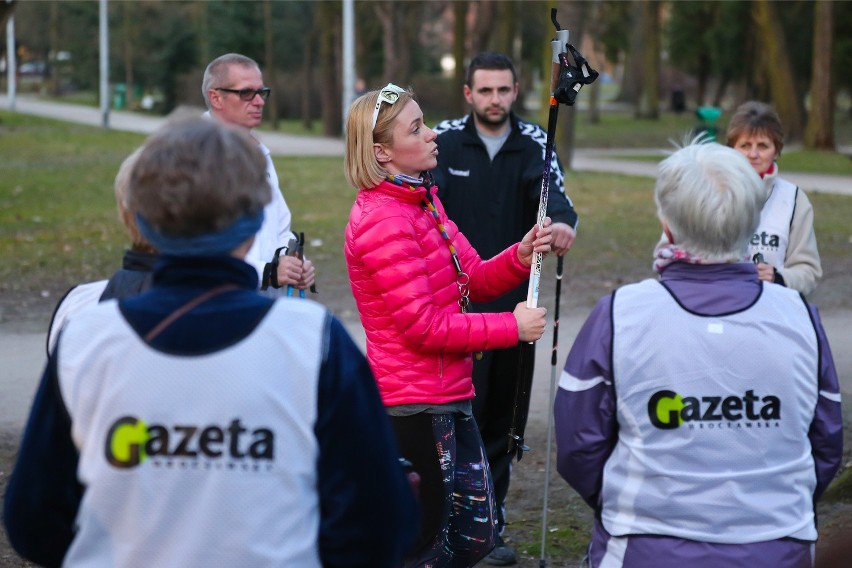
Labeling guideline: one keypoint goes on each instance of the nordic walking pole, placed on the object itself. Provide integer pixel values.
(558, 46)
(565, 83)
(541, 561)
(524, 384)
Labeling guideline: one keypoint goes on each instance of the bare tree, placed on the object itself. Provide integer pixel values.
(483, 24)
(411, 15)
(690, 41)
(53, 34)
(776, 67)
(577, 14)
(269, 51)
(506, 29)
(547, 64)
(128, 39)
(386, 13)
(631, 87)
(327, 23)
(308, 78)
(649, 96)
(594, 90)
(819, 133)
(459, 34)
(202, 26)
(400, 23)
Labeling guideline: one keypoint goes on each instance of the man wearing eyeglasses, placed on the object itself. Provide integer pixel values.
(489, 171)
(234, 92)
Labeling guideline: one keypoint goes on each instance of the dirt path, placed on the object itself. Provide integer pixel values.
(22, 355)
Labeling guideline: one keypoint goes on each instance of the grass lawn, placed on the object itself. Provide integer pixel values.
(59, 227)
(807, 161)
(58, 223)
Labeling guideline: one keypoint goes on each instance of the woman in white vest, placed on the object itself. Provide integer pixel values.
(699, 414)
(200, 423)
(783, 245)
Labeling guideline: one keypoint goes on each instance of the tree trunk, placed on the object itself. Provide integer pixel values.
(506, 29)
(778, 70)
(54, 48)
(459, 34)
(386, 14)
(574, 20)
(409, 22)
(128, 33)
(328, 21)
(547, 65)
(721, 87)
(594, 90)
(630, 88)
(269, 56)
(483, 25)
(203, 27)
(308, 79)
(649, 95)
(703, 78)
(819, 134)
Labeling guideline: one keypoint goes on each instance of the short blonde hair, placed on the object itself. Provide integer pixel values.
(360, 166)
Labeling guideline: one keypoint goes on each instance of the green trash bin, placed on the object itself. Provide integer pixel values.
(119, 96)
(707, 115)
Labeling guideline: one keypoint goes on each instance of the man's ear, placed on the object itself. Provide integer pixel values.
(382, 154)
(215, 98)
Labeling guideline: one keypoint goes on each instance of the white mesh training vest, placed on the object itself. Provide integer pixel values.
(195, 460)
(713, 419)
(772, 235)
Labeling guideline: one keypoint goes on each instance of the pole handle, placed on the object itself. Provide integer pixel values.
(557, 46)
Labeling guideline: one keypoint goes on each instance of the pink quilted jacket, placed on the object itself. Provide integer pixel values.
(419, 344)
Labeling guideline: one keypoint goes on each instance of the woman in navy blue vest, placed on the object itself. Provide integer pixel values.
(201, 423)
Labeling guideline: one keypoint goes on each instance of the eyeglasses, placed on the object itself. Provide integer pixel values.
(389, 95)
(248, 94)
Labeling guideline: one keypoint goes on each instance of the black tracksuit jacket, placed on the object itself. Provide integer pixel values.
(494, 203)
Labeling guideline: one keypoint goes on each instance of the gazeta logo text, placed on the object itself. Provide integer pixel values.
(668, 410)
(130, 441)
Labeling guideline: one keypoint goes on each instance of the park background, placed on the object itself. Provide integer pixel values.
(58, 224)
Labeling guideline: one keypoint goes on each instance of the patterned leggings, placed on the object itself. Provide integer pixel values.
(458, 522)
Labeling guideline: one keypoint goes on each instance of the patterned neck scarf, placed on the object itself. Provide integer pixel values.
(667, 254)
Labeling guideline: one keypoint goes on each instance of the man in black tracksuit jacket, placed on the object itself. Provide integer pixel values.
(489, 173)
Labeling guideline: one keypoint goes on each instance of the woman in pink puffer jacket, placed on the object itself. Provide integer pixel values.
(412, 273)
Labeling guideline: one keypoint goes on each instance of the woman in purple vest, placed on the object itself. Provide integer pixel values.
(699, 414)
